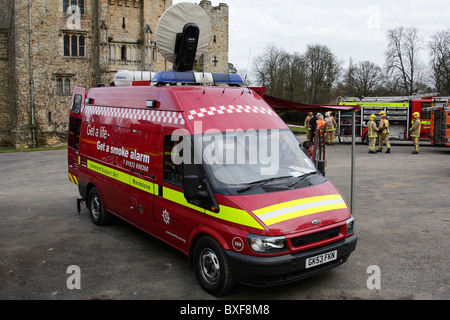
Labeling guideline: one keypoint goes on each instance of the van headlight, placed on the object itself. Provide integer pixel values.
(350, 226)
(263, 244)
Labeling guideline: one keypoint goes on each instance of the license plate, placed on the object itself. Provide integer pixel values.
(321, 259)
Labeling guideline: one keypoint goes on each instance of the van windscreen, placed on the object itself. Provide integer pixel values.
(240, 158)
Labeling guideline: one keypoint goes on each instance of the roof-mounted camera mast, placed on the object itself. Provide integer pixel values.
(186, 47)
(182, 35)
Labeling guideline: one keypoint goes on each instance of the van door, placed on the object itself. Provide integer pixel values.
(78, 98)
(173, 213)
(141, 164)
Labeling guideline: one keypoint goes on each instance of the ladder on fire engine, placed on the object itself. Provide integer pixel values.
(387, 99)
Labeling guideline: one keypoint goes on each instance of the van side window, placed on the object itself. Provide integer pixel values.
(172, 172)
(76, 107)
(74, 132)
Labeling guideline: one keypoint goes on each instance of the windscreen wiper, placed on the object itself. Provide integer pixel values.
(260, 183)
(301, 178)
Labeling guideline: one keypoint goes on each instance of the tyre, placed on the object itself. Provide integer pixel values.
(97, 211)
(211, 267)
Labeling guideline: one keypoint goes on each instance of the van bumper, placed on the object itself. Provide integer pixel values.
(267, 271)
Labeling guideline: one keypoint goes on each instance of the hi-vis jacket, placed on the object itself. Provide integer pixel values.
(415, 129)
(330, 123)
(383, 126)
(372, 129)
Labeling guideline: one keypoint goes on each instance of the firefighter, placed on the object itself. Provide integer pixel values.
(372, 133)
(320, 125)
(308, 126)
(331, 124)
(313, 126)
(383, 131)
(415, 132)
(320, 121)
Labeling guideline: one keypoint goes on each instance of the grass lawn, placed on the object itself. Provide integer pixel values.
(297, 130)
(12, 149)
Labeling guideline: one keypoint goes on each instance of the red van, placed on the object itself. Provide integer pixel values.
(208, 167)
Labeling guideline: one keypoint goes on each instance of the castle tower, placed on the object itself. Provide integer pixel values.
(49, 46)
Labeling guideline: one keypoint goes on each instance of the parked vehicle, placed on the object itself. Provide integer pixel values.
(399, 111)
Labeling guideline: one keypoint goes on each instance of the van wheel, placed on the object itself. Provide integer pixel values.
(211, 267)
(96, 209)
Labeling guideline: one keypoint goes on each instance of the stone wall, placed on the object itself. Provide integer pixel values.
(4, 83)
(216, 59)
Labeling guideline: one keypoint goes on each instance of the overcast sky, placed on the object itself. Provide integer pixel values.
(355, 29)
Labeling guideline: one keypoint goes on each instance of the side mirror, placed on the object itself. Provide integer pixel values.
(199, 193)
(192, 185)
(321, 167)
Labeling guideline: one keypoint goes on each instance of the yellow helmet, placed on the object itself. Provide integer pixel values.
(382, 113)
(373, 117)
(416, 115)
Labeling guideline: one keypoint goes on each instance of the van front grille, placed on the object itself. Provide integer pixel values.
(314, 237)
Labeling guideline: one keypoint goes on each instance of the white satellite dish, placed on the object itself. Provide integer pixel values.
(173, 21)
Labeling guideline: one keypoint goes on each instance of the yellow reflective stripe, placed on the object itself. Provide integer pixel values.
(73, 178)
(142, 184)
(375, 104)
(301, 207)
(236, 216)
(225, 213)
(178, 197)
(123, 177)
(425, 121)
(104, 170)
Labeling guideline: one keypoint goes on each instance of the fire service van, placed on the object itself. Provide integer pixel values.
(207, 166)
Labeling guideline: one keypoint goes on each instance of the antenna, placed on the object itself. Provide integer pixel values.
(182, 34)
(248, 64)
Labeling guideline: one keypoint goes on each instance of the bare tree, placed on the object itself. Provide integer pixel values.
(298, 77)
(362, 79)
(322, 71)
(267, 67)
(293, 76)
(402, 58)
(367, 78)
(440, 61)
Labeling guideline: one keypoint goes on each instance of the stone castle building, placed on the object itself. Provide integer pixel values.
(47, 47)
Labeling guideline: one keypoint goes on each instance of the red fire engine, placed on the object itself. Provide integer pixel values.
(399, 111)
(440, 121)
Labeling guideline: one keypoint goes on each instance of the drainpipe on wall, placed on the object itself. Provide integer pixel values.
(30, 31)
